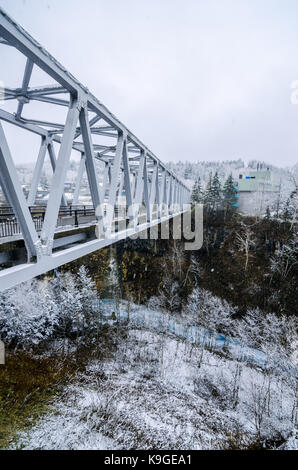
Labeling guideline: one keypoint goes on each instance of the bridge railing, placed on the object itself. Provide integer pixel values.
(72, 216)
(9, 228)
(68, 216)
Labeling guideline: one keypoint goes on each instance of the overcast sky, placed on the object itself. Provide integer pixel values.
(193, 79)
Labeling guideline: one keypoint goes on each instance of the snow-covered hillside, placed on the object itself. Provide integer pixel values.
(165, 392)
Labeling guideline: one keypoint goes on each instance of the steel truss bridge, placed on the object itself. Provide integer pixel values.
(152, 193)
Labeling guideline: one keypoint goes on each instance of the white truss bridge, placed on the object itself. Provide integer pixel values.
(151, 193)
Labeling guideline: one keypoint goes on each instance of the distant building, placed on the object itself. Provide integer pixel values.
(257, 189)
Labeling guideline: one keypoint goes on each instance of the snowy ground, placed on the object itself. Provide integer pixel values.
(163, 392)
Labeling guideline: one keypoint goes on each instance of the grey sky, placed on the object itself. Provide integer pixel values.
(193, 79)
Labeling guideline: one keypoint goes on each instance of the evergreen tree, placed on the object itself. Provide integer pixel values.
(229, 194)
(290, 207)
(268, 214)
(287, 213)
(197, 195)
(28, 314)
(208, 193)
(71, 304)
(214, 191)
(89, 298)
(194, 193)
(200, 192)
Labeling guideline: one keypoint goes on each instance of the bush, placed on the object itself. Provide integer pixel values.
(28, 314)
(209, 311)
(35, 311)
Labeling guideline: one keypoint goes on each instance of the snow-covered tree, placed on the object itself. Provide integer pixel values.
(229, 194)
(287, 213)
(208, 192)
(209, 311)
(28, 314)
(169, 295)
(251, 328)
(213, 192)
(245, 242)
(155, 303)
(89, 298)
(197, 195)
(66, 306)
(267, 214)
(71, 306)
(285, 258)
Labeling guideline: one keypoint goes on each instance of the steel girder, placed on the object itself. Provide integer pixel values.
(128, 165)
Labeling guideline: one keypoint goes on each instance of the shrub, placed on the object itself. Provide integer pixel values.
(35, 311)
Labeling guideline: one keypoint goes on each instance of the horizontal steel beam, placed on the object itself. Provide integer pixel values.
(69, 240)
(47, 99)
(15, 275)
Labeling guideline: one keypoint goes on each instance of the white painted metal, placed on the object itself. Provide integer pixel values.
(151, 183)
